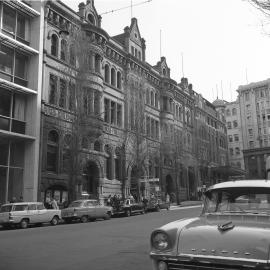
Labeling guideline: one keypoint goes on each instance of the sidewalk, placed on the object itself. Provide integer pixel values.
(186, 203)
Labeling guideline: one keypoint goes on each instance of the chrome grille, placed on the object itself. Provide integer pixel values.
(178, 265)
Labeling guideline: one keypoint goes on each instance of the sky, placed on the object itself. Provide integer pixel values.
(217, 44)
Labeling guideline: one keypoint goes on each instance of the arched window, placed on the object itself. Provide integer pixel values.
(152, 98)
(119, 80)
(72, 58)
(52, 151)
(156, 100)
(54, 45)
(164, 71)
(63, 50)
(107, 74)
(147, 96)
(91, 18)
(97, 146)
(113, 77)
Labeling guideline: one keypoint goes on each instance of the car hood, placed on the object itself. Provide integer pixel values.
(239, 237)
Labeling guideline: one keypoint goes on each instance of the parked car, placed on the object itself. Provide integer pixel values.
(156, 205)
(128, 207)
(26, 213)
(232, 232)
(85, 210)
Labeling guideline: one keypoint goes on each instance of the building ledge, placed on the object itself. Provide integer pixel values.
(16, 87)
(15, 136)
(23, 8)
(6, 40)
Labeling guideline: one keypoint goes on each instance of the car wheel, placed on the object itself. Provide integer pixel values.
(108, 216)
(24, 224)
(55, 221)
(127, 213)
(84, 219)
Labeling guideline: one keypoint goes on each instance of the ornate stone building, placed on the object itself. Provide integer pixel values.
(139, 124)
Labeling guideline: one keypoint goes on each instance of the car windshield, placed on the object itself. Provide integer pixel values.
(76, 204)
(237, 200)
(5, 208)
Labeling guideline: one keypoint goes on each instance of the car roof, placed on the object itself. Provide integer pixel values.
(241, 183)
(21, 203)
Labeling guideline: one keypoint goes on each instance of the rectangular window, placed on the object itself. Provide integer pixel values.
(53, 89)
(119, 115)
(15, 24)
(113, 112)
(247, 96)
(6, 60)
(71, 101)
(107, 110)
(251, 144)
(230, 138)
(63, 93)
(9, 19)
(236, 137)
(148, 126)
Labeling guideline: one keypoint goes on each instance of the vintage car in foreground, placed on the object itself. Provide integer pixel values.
(85, 210)
(233, 231)
(25, 213)
(128, 207)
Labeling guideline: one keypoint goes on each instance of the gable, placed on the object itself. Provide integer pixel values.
(135, 35)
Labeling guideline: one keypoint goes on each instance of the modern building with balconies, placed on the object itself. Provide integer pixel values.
(21, 49)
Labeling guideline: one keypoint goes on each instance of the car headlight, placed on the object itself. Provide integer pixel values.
(160, 241)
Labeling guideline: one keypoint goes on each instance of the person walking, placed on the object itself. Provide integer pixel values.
(54, 204)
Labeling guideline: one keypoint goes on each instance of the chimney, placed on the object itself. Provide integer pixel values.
(82, 10)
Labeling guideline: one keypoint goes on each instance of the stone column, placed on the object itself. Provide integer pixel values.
(92, 61)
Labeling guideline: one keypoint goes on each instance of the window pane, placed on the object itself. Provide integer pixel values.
(9, 20)
(21, 26)
(3, 151)
(20, 64)
(15, 184)
(6, 60)
(5, 102)
(17, 154)
(3, 182)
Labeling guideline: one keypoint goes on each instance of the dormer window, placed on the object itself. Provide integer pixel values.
(91, 19)
(164, 71)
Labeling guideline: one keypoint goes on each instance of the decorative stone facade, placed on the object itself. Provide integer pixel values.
(135, 108)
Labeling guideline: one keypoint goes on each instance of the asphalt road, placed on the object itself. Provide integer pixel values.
(119, 243)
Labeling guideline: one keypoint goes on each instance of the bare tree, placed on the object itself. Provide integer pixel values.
(135, 140)
(86, 122)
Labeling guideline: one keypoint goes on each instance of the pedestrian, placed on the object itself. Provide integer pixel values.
(109, 203)
(54, 204)
(13, 200)
(21, 199)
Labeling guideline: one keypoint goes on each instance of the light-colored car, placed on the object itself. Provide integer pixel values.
(233, 231)
(25, 213)
(85, 210)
